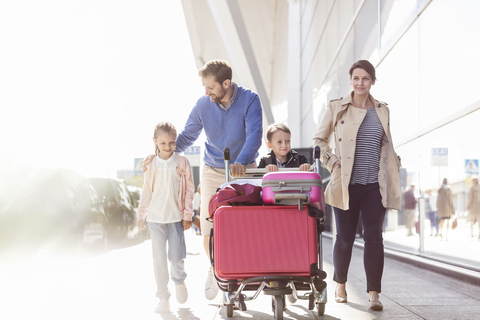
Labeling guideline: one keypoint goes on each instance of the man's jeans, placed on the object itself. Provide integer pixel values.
(161, 234)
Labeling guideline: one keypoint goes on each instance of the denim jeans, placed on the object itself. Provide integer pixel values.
(161, 234)
(367, 200)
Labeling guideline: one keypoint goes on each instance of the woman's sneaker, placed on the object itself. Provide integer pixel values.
(181, 293)
(162, 306)
(211, 286)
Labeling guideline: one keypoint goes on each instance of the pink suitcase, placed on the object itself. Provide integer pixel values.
(293, 188)
(251, 241)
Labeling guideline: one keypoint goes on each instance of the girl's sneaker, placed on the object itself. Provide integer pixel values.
(162, 306)
(181, 293)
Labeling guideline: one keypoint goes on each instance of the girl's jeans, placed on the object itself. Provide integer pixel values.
(367, 200)
(161, 234)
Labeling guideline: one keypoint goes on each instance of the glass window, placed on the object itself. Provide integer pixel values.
(394, 17)
(449, 58)
(345, 60)
(398, 85)
(319, 18)
(418, 160)
(332, 36)
(366, 32)
(346, 10)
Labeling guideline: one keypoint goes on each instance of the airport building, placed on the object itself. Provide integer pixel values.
(296, 55)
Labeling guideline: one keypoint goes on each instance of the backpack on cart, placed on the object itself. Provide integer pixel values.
(235, 195)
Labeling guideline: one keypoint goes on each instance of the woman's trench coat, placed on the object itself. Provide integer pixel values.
(344, 120)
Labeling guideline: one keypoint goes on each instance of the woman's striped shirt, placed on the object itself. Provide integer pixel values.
(367, 151)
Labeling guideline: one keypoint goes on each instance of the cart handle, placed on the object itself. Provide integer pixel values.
(226, 158)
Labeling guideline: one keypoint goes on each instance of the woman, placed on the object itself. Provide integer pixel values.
(445, 208)
(473, 205)
(364, 176)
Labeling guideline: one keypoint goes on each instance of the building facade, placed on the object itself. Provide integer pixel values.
(297, 55)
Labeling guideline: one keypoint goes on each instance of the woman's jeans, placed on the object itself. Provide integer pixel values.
(161, 234)
(367, 200)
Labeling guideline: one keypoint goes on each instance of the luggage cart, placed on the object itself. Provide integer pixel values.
(303, 286)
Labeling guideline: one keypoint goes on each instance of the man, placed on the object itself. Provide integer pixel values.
(410, 205)
(231, 116)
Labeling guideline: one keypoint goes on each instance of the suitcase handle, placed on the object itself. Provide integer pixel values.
(263, 170)
(300, 189)
(288, 196)
(210, 248)
(301, 197)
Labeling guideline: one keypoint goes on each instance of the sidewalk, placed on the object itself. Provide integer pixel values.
(408, 292)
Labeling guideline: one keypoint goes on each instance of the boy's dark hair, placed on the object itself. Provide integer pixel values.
(220, 69)
(274, 128)
(365, 65)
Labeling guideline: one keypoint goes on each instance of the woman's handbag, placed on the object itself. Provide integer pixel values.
(454, 223)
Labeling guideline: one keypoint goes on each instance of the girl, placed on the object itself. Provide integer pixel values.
(365, 176)
(167, 196)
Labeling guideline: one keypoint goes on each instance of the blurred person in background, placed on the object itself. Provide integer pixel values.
(473, 205)
(410, 206)
(431, 211)
(445, 208)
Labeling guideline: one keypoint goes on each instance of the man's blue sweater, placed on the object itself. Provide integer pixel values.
(238, 128)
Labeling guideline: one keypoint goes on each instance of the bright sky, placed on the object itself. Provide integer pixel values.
(83, 83)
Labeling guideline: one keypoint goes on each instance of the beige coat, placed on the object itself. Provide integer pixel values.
(445, 208)
(473, 202)
(343, 120)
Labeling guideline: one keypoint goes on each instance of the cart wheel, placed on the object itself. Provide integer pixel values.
(321, 309)
(279, 306)
(229, 310)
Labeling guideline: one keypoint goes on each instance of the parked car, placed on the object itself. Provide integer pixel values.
(119, 208)
(135, 193)
(50, 209)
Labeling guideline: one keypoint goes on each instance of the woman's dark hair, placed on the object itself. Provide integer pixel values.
(365, 65)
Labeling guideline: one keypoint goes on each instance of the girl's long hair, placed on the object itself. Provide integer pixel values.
(166, 127)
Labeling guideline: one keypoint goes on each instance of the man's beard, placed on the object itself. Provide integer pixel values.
(217, 99)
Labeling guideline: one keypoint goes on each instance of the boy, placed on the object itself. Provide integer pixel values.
(281, 156)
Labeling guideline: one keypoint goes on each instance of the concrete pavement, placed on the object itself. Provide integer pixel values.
(120, 285)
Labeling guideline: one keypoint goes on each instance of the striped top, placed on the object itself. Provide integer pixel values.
(367, 152)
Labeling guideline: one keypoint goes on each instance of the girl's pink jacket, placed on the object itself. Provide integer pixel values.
(185, 193)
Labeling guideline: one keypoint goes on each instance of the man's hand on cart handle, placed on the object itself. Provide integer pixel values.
(237, 170)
